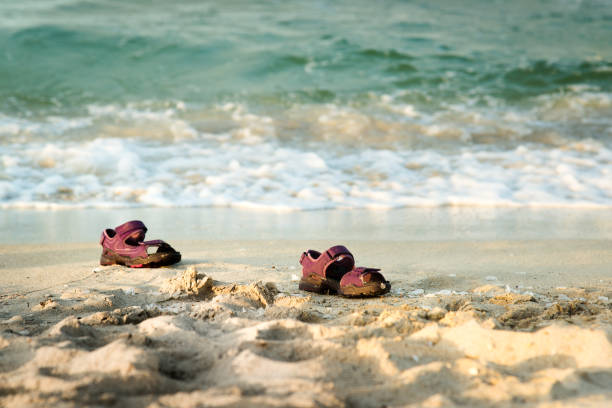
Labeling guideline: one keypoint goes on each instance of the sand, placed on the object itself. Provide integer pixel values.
(467, 323)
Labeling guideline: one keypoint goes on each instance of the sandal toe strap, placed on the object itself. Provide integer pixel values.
(162, 246)
(360, 276)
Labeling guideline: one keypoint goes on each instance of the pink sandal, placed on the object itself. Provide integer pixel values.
(125, 245)
(334, 272)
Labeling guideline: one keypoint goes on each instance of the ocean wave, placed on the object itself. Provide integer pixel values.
(47, 65)
(387, 121)
(539, 77)
(312, 156)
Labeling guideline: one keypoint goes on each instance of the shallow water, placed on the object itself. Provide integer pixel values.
(292, 105)
(189, 225)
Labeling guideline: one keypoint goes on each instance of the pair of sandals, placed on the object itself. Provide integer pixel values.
(332, 271)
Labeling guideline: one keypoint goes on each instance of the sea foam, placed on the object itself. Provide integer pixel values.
(312, 157)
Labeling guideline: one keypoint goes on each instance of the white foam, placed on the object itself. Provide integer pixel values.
(159, 158)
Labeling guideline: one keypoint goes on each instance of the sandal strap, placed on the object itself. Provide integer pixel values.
(332, 254)
(336, 251)
(128, 228)
(154, 242)
(320, 263)
(117, 242)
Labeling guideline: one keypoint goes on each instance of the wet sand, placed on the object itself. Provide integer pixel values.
(489, 322)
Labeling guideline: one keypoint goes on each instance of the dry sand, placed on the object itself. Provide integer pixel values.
(491, 324)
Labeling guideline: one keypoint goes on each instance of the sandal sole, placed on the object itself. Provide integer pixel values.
(368, 290)
(110, 257)
(327, 286)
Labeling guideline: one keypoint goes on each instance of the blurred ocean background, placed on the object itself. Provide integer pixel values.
(305, 105)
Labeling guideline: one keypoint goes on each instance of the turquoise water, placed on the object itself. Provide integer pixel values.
(64, 54)
(323, 104)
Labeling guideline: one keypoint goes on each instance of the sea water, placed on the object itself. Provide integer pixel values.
(305, 104)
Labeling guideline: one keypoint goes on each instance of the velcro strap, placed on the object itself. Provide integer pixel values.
(314, 262)
(129, 227)
(336, 251)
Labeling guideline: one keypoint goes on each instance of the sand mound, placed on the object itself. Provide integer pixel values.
(188, 283)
